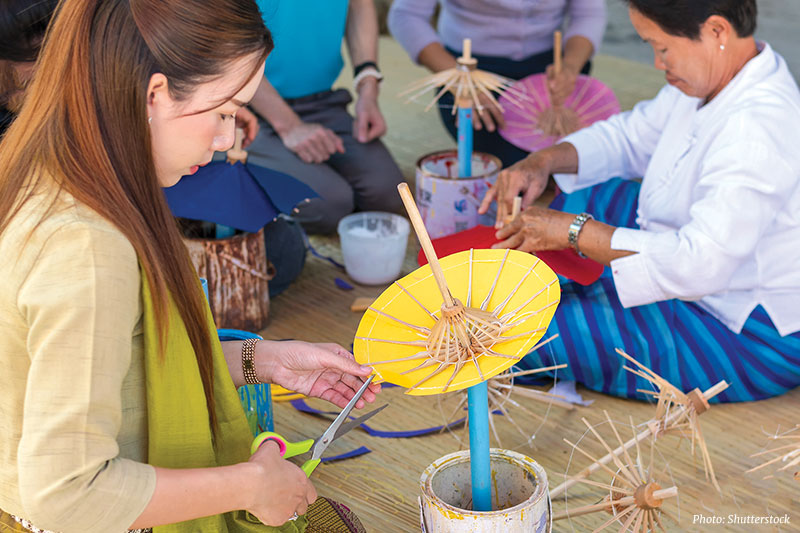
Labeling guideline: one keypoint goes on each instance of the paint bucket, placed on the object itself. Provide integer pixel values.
(519, 496)
(449, 204)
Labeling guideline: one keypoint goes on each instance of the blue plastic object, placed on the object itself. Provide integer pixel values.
(464, 142)
(256, 399)
(479, 458)
(477, 395)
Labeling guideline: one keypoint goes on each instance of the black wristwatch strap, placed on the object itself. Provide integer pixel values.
(361, 66)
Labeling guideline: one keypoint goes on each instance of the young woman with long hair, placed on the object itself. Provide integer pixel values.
(119, 407)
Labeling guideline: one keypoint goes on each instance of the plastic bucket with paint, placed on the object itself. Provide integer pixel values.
(449, 204)
(519, 496)
(373, 246)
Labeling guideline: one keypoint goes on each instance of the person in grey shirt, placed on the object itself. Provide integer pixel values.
(513, 38)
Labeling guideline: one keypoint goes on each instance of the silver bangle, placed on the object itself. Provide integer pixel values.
(575, 231)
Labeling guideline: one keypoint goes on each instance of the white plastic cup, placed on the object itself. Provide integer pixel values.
(373, 246)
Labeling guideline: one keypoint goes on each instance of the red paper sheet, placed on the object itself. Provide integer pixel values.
(564, 262)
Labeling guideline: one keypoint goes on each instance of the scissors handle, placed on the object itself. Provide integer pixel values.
(287, 449)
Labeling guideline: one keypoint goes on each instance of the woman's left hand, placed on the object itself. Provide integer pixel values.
(535, 229)
(561, 85)
(325, 371)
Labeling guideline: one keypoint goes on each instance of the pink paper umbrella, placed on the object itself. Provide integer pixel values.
(591, 101)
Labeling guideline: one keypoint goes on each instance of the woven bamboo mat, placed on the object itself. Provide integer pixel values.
(382, 487)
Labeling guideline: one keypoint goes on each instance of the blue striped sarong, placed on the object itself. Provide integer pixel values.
(678, 340)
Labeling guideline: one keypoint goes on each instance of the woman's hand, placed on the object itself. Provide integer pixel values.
(325, 371)
(369, 123)
(535, 229)
(246, 120)
(528, 176)
(311, 142)
(280, 488)
(489, 115)
(561, 85)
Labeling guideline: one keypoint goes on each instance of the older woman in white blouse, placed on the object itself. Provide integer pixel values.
(704, 256)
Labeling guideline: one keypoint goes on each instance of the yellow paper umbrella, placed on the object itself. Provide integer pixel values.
(508, 296)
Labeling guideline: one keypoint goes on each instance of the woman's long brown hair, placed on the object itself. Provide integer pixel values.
(84, 122)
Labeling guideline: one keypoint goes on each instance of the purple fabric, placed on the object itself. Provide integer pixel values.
(303, 407)
(500, 28)
(348, 455)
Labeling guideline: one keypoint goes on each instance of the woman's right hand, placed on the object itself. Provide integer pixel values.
(528, 177)
(281, 488)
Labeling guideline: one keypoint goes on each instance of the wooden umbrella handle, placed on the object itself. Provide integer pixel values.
(425, 241)
(237, 153)
(557, 51)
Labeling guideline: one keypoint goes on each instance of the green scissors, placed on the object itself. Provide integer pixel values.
(318, 446)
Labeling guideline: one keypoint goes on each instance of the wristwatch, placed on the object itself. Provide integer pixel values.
(575, 230)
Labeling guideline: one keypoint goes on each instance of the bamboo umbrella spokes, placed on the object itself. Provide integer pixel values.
(787, 452)
(670, 419)
(467, 83)
(634, 497)
(686, 409)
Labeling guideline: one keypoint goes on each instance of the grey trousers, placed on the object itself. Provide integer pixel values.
(364, 177)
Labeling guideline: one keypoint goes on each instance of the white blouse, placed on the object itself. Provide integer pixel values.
(719, 207)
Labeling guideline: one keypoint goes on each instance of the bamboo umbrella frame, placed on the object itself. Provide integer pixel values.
(787, 452)
(467, 82)
(557, 120)
(634, 496)
(675, 411)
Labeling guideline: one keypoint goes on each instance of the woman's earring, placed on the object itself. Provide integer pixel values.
(722, 47)
(149, 120)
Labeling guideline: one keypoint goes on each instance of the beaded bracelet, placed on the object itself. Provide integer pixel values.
(248, 362)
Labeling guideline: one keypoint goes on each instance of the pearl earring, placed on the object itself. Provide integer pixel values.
(722, 47)
(149, 120)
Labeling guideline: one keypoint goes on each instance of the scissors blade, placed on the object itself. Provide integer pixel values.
(357, 422)
(325, 440)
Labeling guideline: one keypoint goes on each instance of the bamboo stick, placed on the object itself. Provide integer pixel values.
(708, 394)
(626, 501)
(425, 241)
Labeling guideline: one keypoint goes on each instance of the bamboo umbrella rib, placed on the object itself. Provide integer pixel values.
(630, 519)
(574, 479)
(638, 449)
(418, 355)
(634, 473)
(469, 278)
(614, 457)
(616, 517)
(389, 341)
(537, 370)
(416, 301)
(621, 490)
(496, 278)
(421, 329)
(496, 311)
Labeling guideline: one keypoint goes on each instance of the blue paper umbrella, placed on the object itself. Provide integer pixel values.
(243, 196)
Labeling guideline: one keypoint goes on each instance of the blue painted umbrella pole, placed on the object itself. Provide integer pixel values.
(477, 395)
(480, 465)
(465, 141)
